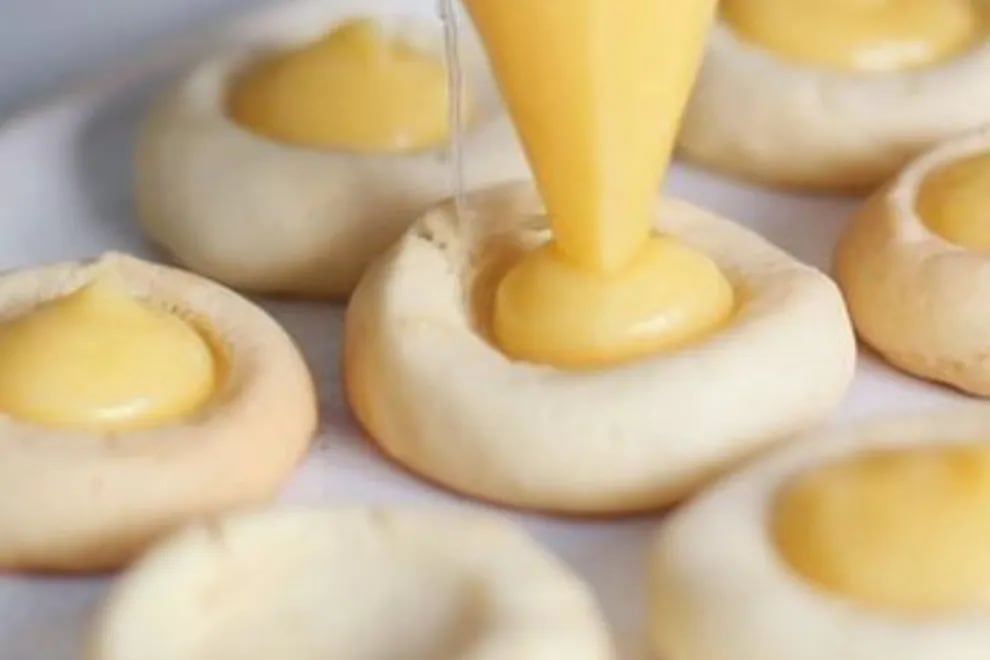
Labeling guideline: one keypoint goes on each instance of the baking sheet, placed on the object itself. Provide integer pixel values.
(65, 192)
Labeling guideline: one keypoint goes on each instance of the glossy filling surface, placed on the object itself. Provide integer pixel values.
(860, 35)
(597, 90)
(905, 530)
(100, 360)
(667, 296)
(356, 89)
(954, 202)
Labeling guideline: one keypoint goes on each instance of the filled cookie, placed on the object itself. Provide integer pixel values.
(914, 266)
(860, 543)
(836, 94)
(429, 380)
(294, 155)
(134, 397)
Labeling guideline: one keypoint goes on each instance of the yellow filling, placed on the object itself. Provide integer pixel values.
(668, 295)
(99, 360)
(356, 89)
(905, 530)
(954, 201)
(597, 90)
(860, 35)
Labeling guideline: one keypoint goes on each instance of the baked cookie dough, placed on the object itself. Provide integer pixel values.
(76, 497)
(785, 121)
(860, 543)
(274, 216)
(919, 298)
(425, 379)
(350, 585)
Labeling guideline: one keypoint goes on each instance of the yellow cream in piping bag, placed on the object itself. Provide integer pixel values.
(100, 360)
(860, 35)
(597, 89)
(356, 89)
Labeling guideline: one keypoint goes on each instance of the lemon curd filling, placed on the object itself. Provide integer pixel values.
(100, 360)
(905, 530)
(954, 202)
(860, 35)
(597, 90)
(356, 89)
(666, 296)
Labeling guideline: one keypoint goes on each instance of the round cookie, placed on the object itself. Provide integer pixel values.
(426, 381)
(722, 589)
(920, 300)
(352, 585)
(74, 500)
(273, 217)
(758, 115)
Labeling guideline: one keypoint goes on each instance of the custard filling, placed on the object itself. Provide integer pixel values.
(904, 530)
(860, 35)
(954, 202)
(100, 360)
(667, 296)
(356, 89)
(597, 90)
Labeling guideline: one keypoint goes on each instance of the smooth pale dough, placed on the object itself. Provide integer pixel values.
(350, 585)
(270, 217)
(439, 398)
(721, 591)
(921, 301)
(78, 500)
(757, 115)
